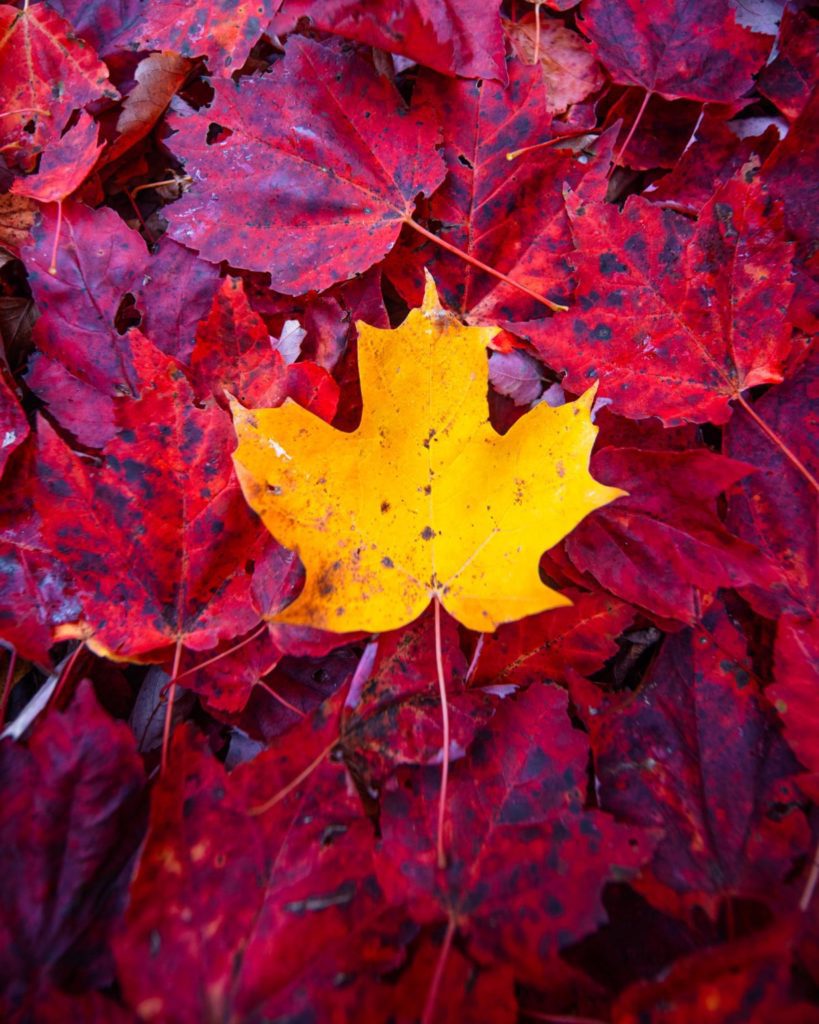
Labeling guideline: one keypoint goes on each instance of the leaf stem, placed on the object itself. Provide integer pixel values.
(633, 128)
(4, 700)
(780, 443)
(166, 732)
(537, 32)
(223, 654)
(53, 267)
(810, 885)
(277, 696)
(66, 674)
(439, 664)
(435, 986)
(556, 306)
(278, 797)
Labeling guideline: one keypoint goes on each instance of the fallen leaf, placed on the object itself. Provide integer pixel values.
(73, 812)
(658, 320)
(675, 48)
(524, 783)
(565, 59)
(455, 37)
(158, 538)
(509, 215)
(322, 145)
(545, 647)
(775, 508)
(158, 76)
(65, 165)
(38, 49)
(392, 515)
(694, 752)
(13, 423)
(663, 544)
(797, 682)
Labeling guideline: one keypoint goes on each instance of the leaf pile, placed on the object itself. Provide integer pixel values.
(222, 807)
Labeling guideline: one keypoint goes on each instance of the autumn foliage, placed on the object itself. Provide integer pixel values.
(231, 791)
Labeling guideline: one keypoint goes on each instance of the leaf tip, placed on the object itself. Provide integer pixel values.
(431, 301)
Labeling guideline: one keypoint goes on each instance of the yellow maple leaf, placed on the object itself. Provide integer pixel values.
(424, 499)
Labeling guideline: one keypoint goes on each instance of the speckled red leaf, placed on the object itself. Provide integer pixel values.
(658, 320)
(13, 423)
(797, 685)
(262, 911)
(224, 31)
(468, 993)
(784, 175)
(170, 315)
(544, 647)
(664, 542)
(527, 863)
(508, 215)
(65, 165)
(714, 155)
(35, 594)
(394, 716)
(234, 352)
(457, 37)
(694, 752)
(790, 77)
(99, 21)
(44, 66)
(72, 815)
(775, 508)
(196, 892)
(158, 538)
(227, 677)
(97, 260)
(321, 151)
(675, 47)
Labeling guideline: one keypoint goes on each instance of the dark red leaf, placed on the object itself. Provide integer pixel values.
(65, 165)
(98, 260)
(789, 78)
(658, 321)
(797, 683)
(456, 37)
(38, 50)
(523, 788)
(775, 508)
(693, 752)
(13, 423)
(509, 215)
(159, 538)
(322, 149)
(545, 647)
(675, 48)
(72, 814)
(664, 543)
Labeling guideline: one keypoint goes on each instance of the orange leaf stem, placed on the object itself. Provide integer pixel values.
(166, 732)
(53, 267)
(439, 664)
(632, 130)
(483, 266)
(223, 654)
(277, 696)
(278, 797)
(780, 443)
(440, 967)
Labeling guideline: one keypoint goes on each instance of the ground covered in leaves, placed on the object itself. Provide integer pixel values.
(211, 815)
